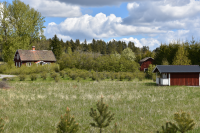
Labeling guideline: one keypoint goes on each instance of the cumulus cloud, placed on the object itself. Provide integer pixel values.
(99, 27)
(50, 8)
(151, 42)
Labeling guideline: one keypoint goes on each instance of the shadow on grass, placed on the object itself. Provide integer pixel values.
(150, 84)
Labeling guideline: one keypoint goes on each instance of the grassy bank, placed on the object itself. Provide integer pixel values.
(139, 107)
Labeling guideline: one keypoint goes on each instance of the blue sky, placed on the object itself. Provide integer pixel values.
(144, 22)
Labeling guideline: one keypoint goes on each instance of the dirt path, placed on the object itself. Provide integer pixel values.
(4, 75)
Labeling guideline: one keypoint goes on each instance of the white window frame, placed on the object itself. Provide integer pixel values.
(145, 69)
(28, 64)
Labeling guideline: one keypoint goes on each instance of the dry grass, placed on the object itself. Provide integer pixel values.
(139, 107)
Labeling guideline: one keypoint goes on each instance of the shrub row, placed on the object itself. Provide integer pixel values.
(7, 69)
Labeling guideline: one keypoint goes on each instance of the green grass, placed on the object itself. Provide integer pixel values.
(139, 107)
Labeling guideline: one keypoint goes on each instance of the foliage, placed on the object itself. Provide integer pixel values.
(33, 77)
(1, 125)
(140, 75)
(21, 25)
(67, 123)
(165, 62)
(56, 47)
(54, 75)
(168, 129)
(149, 73)
(103, 118)
(128, 54)
(62, 74)
(22, 77)
(181, 57)
(44, 75)
(184, 123)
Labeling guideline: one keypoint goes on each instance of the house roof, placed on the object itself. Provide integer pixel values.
(177, 68)
(146, 58)
(36, 55)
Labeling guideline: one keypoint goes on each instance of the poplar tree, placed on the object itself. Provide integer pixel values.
(103, 117)
(20, 27)
(181, 57)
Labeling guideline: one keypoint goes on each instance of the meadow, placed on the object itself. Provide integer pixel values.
(139, 106)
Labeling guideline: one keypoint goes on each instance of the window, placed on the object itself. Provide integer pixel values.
(28, 63)
(19, 64)
(145, 69)
(17, 56)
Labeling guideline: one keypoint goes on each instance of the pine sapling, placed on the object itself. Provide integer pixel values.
(67, 124)
(185, 123)
(168, 129)
(103, 117)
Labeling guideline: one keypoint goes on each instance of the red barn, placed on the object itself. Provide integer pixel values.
(37, 56)
(144, 63)
(187, 75)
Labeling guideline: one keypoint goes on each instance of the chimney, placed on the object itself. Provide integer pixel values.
(33, 48)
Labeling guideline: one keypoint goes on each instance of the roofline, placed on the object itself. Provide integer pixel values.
(155, 69)
(147, 59)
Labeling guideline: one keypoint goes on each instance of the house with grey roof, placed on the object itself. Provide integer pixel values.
(28, 57)
(187, 75)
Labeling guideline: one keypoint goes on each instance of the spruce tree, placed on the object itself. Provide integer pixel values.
(181, 57)
(103, 117)
(67, 124)
(56, 47)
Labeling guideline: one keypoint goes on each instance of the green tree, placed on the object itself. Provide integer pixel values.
(165, 62)
(20, 27)
(103, 118)
(128, 54)
(181, 57)
(67, 123)
(56, 47)
(69, 51)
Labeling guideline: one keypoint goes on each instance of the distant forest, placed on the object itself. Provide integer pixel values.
(164, 51)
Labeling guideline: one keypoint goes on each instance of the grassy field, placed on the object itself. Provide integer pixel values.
(139, 107)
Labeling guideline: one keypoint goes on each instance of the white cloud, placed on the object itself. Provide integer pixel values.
(151, 42)
(131, 6)
(99, 26)
(54, 8)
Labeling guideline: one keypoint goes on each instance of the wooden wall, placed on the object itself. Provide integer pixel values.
(146, 64)
(188, 79)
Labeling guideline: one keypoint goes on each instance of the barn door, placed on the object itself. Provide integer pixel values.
(188, 79)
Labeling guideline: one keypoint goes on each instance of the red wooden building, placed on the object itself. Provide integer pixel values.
(188, 75)
(37, 56)
(144, 63)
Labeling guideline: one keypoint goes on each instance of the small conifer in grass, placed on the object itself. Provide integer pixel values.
(1, 125)
(184, 124)
(103, 117)
(67, 124)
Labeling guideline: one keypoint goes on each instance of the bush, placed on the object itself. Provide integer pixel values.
(122, 77)
(22, 77)
(56, 78)
(112, 76)
(73, 75)
(44, 75)
(33, 77)
(54, 75)
(141, 76)
(62, 74)
(8, 79)
(129, 76)
(83, 75)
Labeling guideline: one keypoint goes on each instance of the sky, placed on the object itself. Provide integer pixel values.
(144, 22)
